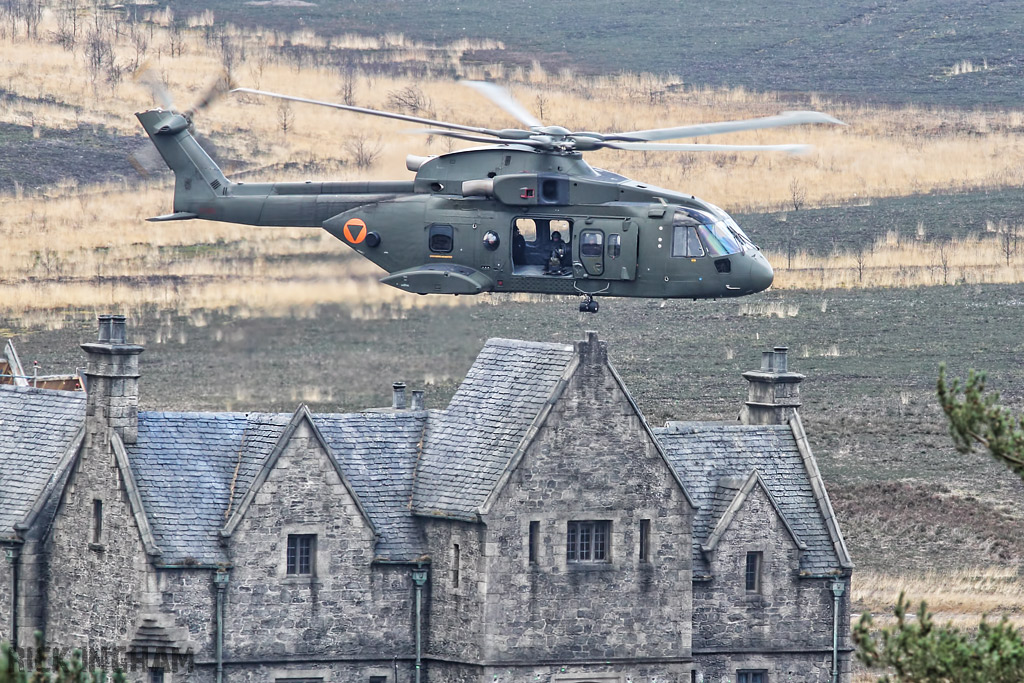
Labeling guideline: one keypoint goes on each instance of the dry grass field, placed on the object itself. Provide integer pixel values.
(96, 245)
(74, 247)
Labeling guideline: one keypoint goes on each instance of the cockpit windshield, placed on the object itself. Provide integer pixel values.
(719, 234)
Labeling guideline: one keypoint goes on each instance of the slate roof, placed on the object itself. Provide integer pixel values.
(183, 464)
(36, 427)
(378, 453)
(442, 463)
(704, 453)
(467, 446)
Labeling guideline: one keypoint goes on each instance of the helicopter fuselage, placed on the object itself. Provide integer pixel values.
(505, 218)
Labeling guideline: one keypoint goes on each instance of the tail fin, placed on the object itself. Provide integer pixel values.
(198, 181)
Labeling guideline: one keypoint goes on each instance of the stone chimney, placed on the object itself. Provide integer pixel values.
(112, 382)
(592, 351)
(773, 394)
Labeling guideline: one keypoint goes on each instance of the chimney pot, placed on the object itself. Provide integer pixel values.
(398, 396)
(417, 399)
(118, 329)
(781, 362)
(767, 361)
(104, 334)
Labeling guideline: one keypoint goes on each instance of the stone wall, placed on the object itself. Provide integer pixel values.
(736, 629)
(95, 592)
(188, 603)
(592, 460)
(349, 607)
(6, 595)
(455, 612)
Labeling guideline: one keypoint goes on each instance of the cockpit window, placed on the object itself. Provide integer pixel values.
(693, 229)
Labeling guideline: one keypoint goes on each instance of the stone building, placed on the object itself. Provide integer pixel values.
(536, 529)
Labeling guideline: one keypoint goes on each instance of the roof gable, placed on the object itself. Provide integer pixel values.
(469, 446)
(704, 453)
(185, 465)
(378, 453)
(730, 512)
(591, 352)
(302, 415)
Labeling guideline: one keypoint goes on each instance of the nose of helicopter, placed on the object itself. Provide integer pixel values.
(761, 273)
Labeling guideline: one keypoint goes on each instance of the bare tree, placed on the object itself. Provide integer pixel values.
(797, 194)
(944, 261)
(140, 41)
(175, 39)
(347, 87)
(364, 152)
(542, 103)
(66, 34)
(99, 50)
(410, 99)
(861, 259)
(790, 247)
(1008, 239)
(285, 117)
(258, 59)
(229, 54)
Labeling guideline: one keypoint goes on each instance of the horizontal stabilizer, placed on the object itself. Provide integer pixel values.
(177, 216)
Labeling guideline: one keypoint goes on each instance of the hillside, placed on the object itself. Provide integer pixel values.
(935, 52)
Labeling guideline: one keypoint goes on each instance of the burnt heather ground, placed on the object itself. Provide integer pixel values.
(906, 499)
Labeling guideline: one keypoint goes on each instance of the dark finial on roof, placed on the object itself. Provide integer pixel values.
(592, 350)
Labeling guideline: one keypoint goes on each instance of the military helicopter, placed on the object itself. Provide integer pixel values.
(524, 213)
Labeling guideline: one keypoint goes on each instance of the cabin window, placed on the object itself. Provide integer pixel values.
(534, 547)
(685, 241)
(527, 228)
(759, 676)
(591, 243)
(301, 555)
(588, 541)
(752, 575)
(442, 238)
(614, 246)
(645, 540)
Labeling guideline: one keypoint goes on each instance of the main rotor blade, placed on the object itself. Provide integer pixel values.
(536, 144)
(686, 147)
(788, 118)
(501, 97)
(372, 112)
